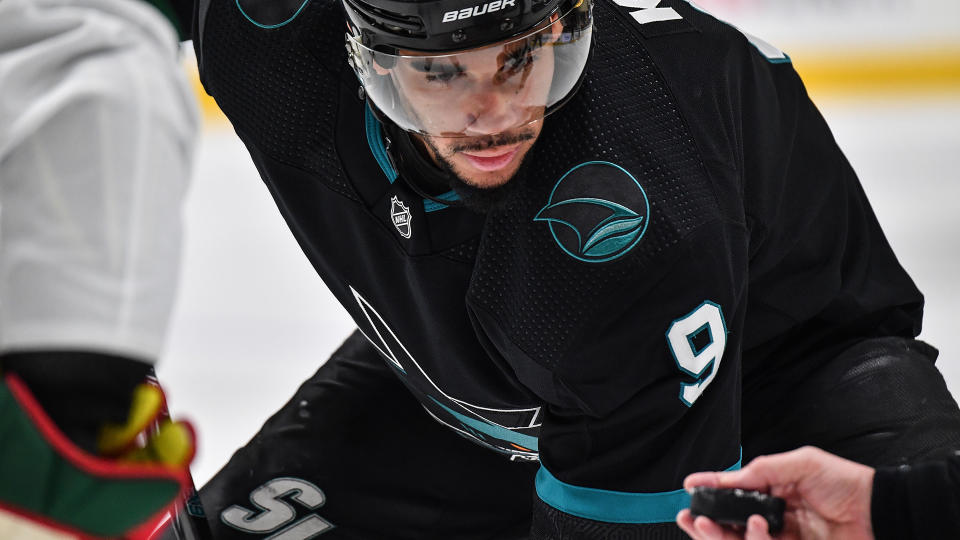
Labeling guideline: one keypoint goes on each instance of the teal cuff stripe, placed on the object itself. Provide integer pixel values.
(375, 141)
(502, 433)
(613, 506)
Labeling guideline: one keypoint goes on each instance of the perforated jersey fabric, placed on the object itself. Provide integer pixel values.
(286, 101)
(684, 227)
(465, 252)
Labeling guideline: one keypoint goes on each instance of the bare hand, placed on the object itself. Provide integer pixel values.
(827, 497)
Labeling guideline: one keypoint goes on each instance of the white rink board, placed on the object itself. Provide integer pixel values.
(253, 319)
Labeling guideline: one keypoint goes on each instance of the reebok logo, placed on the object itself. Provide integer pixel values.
(648, 11)
(489, 7)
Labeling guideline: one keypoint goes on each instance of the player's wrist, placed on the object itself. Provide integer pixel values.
(79, 390)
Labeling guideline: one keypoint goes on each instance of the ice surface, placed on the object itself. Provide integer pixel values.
(253, 319)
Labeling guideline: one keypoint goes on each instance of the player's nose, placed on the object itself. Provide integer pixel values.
(490, 112)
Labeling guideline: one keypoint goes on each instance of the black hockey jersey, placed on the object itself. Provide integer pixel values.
(686, 222)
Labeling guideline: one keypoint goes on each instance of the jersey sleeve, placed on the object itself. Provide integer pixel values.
(811, 226)
(921, 500)
(278, 71)
(97, 129)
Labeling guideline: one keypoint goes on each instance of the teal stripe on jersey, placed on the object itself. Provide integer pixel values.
(375, 141)
(613, 506)
(433, 206)
(499, 432)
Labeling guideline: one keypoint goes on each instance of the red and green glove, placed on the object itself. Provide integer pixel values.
(52, 489)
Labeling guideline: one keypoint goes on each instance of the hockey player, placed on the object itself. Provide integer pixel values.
(97, 129)
(572, 235)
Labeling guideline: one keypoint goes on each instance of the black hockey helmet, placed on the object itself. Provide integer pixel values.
(443, 25)
(445, 67)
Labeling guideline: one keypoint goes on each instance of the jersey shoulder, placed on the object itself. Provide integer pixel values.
(678, 33)
(276, 78)
(280, 76)
(709, 74)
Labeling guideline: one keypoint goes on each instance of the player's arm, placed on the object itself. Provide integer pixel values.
(917, 501)
(809, 216)
(97, 132)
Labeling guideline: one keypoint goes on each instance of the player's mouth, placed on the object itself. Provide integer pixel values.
(492, 159)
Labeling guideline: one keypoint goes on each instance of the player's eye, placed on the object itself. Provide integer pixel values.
(438, 72)
(443, 76)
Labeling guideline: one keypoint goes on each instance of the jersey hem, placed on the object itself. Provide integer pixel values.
(613, 506)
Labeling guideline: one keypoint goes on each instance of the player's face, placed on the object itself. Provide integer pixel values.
(490, 101)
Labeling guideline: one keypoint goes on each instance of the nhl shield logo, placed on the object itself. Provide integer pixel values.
(400, 214)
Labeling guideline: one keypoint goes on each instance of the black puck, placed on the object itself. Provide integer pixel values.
(734, 506)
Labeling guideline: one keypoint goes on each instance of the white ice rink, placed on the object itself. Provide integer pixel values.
(253, 320)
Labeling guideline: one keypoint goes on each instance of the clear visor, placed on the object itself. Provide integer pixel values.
(481, 91)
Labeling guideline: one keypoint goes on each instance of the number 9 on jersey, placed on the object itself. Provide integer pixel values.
(696, 341)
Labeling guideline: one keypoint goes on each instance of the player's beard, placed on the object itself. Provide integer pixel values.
(481, 199)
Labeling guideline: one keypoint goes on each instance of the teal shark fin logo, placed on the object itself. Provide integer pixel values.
(584, 220)
(608, 237)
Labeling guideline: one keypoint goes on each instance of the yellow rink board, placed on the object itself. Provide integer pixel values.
(912, 71)
(907, 71)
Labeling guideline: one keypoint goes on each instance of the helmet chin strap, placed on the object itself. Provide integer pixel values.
(417, 170)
